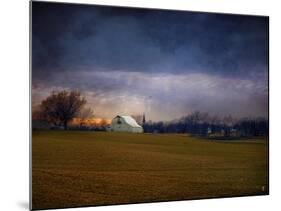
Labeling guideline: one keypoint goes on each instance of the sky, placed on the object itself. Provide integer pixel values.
(166, 64)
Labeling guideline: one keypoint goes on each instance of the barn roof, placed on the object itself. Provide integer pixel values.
(131, 121)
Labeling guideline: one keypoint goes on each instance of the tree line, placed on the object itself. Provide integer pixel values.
(203, 124)
(60, 108)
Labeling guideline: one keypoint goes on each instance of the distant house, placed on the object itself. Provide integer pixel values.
(125, 124)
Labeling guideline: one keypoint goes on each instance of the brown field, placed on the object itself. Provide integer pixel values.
(71, 169)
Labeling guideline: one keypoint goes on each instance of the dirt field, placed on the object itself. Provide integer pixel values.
(73, 169)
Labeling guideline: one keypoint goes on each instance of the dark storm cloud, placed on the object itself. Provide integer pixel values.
(126, 55)
(70, 37)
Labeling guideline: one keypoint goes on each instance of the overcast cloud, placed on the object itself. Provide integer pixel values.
(164, 63)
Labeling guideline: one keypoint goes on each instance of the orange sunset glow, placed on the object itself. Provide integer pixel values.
(90, 122)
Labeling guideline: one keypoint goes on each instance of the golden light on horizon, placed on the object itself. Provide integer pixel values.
(93, 122)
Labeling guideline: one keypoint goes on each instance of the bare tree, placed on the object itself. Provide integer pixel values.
(60, 107)
(84, 114)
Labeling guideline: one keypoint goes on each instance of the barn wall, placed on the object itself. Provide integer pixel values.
(137, 130)
(124, 127)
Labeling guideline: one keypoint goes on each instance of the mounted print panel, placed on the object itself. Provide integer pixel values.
(135, 105)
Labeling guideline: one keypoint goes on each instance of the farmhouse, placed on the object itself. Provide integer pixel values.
(125, 124)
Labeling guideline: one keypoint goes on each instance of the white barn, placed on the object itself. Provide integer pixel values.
(125, 124)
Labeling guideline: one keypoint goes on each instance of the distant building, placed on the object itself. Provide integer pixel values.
(125, 124)
(234, 132)
(209, 131)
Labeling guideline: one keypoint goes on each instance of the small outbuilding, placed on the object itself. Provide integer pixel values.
(125, 124)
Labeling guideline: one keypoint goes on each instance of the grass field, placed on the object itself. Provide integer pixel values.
(71, 169)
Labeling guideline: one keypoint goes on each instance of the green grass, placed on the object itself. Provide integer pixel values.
(71, 169)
